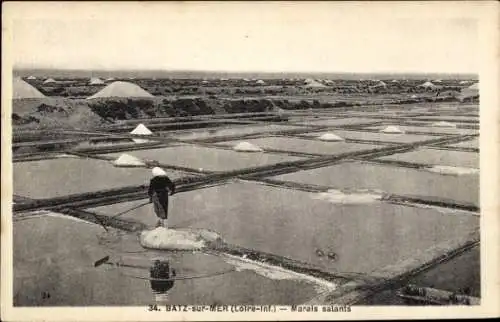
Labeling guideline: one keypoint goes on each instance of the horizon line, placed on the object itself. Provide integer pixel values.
(21, 68)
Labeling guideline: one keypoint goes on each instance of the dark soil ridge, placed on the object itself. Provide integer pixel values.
(65, 113)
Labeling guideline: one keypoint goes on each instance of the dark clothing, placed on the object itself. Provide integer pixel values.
(161, 183)
(160, 204)
(159, 188)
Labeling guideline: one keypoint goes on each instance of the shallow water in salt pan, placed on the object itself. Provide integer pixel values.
(391, 179)
(211, 159)
(378, 136)
(306, 146)
(431, 129)
(54, 266)
(467, 144)
(229, 131)
(438, 157)
(60, 177)
(296, 224)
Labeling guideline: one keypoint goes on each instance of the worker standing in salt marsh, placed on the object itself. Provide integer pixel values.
(160, 187)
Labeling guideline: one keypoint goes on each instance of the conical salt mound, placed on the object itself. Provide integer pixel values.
(312, 83)
(121, 89)
(380, 84)
(31, 77)
(330, 137)
(21, 89)
(246, 147)
(474, 86)
(141, 129)
(96, 81)
(444, 124)
(127, 160)
(471, 91)
(49, 80)
(392, 129)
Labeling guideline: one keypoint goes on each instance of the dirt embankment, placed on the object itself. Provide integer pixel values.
(63, 113)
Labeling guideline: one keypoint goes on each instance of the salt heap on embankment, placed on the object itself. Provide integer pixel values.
(121, 89)
(246, 147)
(392, 129)
(127, 160)
(141, 129)
(444, 124)
(427, 85)
(380, 84)
(330, 137)
(21, 90)
(311, 83)
(96, 81)
(469, 92)
(49, 80)
(176, 239)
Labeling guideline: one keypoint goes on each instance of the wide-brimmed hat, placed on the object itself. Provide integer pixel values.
(157, 171)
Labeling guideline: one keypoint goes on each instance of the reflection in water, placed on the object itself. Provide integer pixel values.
(161, 279)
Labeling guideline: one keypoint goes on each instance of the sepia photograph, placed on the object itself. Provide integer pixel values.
(261, 158)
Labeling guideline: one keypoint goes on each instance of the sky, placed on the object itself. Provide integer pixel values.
(284, 37)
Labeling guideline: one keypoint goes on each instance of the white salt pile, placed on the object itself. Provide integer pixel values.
(96, 81)
(21, 89)
(246, 147)
(64, 155)
(454, 171)
(313, 83)
(392, 129)
(278, 273)
(281, 112)
(141, 129)
(427, 85)
(121, 89)
(173, 239)
(444, 124)
(356, 197)
(330, 137)
(47, 213)
(127, 160)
